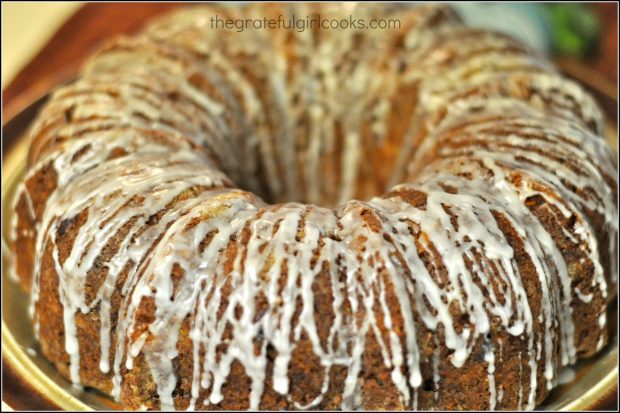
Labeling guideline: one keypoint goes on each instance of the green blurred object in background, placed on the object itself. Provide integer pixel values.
(575, 29)
(561, 29)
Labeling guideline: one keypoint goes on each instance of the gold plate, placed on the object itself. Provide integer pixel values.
(595, 379)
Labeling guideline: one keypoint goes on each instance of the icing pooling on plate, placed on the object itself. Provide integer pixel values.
(156, 135)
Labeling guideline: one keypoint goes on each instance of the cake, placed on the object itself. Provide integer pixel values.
(420, 217)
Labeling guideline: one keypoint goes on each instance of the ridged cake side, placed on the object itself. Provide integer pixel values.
(485, 267)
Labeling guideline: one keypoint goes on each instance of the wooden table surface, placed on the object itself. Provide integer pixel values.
(61, 57)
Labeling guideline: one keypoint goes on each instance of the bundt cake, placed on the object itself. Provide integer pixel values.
(187, 232)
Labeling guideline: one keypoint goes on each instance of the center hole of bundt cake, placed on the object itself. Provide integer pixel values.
(329, 183)
(327, 169)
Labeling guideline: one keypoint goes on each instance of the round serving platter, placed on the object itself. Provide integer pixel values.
(31, 382)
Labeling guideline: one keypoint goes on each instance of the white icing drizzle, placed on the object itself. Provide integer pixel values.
(149, 147)
(566, 375)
